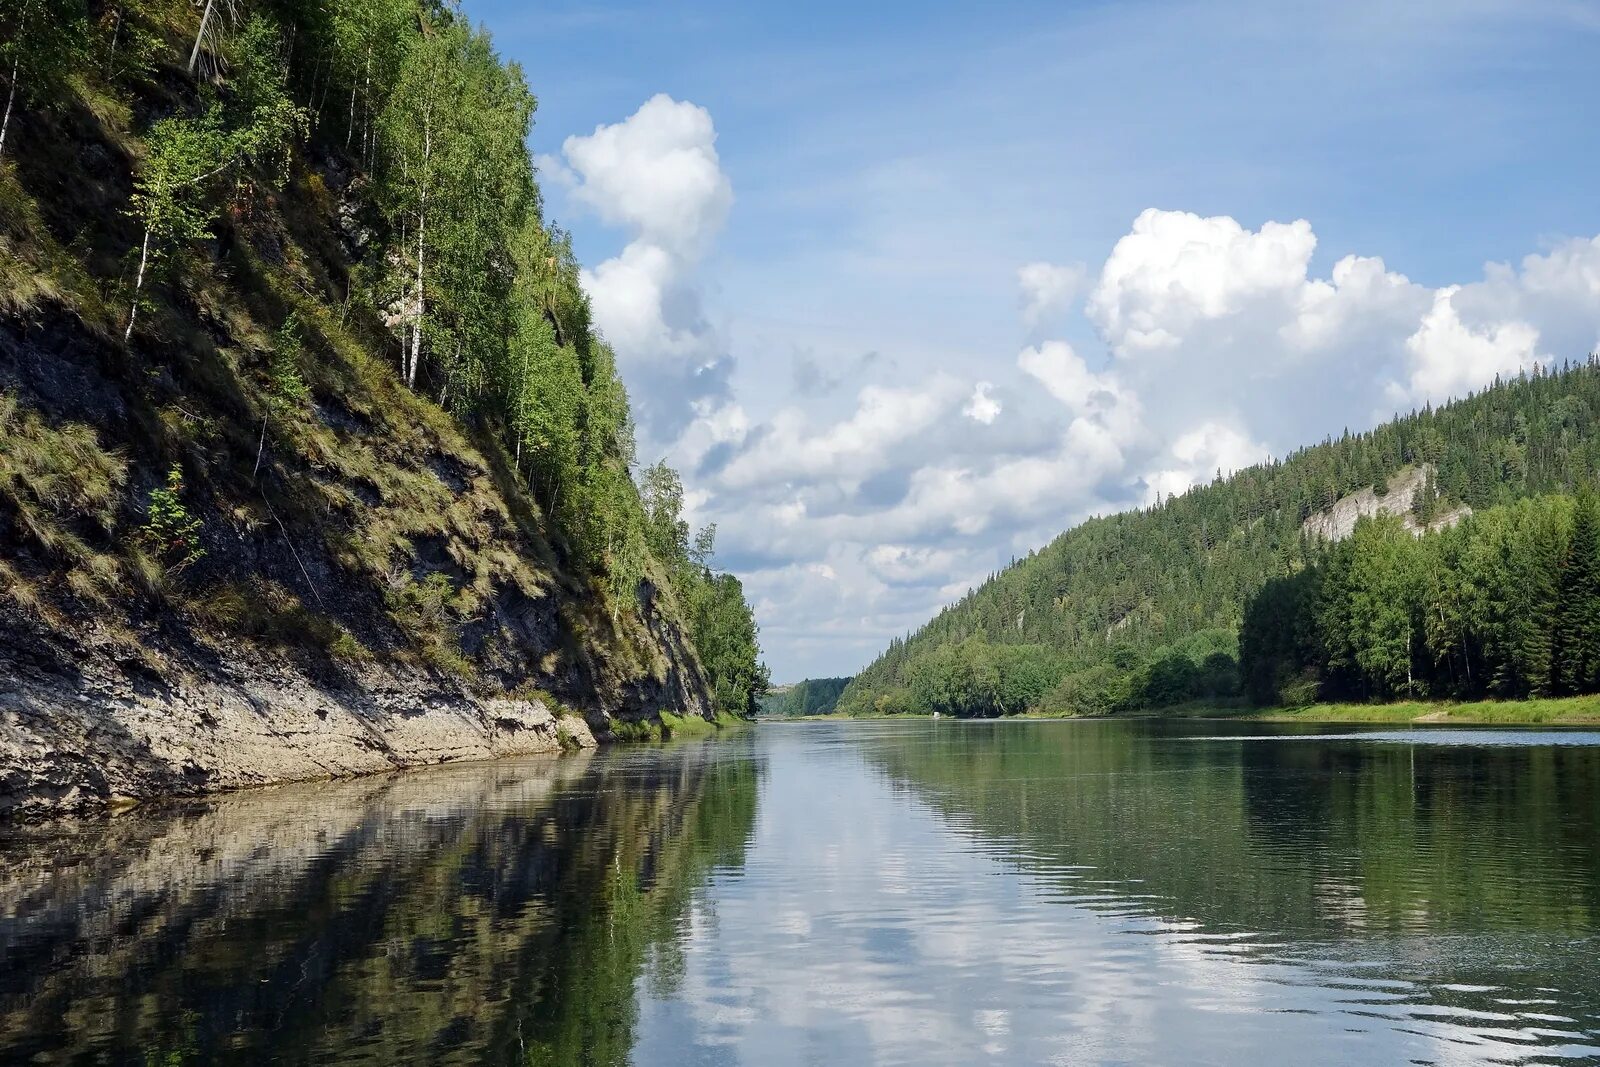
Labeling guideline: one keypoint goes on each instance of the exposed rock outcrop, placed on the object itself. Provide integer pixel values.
(102, 732)
(1339, 521)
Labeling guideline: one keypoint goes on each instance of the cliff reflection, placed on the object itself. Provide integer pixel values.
(478, 913)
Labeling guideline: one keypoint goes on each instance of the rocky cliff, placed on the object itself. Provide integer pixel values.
(235, 546)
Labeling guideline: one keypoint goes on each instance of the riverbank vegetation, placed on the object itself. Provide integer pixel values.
(1472, 574)
(279, 275)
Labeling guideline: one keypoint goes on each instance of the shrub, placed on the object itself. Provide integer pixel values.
(286, 386)
(171, 533)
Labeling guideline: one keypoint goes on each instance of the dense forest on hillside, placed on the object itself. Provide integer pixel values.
(283, 267)
(1143, 608)
(1506, 604)
(813, 696)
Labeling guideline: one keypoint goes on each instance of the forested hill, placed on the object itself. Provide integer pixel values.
(813, 696)
(297, 380)
(1144, 607)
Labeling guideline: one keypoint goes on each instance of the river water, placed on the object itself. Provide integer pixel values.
(842, 893)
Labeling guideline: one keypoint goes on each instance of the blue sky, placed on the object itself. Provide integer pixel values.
(807, 253)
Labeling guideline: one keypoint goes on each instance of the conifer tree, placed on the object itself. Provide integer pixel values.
(1578, 610)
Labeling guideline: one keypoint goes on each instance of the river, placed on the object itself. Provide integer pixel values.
(925, 892)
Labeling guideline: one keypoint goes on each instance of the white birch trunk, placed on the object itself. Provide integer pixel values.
(366, 99)
(116, 31)
(422, 227)
(11, 98)
(138, 284)
(200, 35)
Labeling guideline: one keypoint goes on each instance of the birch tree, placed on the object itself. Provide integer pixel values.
(39, 43)
(169, 193)
(458, 184)
(172, 194)
(215, 17)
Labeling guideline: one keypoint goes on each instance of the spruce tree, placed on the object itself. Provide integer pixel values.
(1578, 609)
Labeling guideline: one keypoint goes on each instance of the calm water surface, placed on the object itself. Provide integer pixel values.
(852, 893)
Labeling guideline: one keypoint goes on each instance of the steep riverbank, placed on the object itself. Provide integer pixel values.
(97, 735)
(274, 503)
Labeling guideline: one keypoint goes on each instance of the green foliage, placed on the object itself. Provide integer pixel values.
(170, 532)
(721, 623)
(1577, 638)
(169, 194)
(286, 385)
(1503, 605)
(725, 636)
(253, 126)
(1152, 578)
(40, 43)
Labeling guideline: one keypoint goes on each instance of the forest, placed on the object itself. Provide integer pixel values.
(1221, 593)
(813, 696)
(1506, 605)
(255, 129)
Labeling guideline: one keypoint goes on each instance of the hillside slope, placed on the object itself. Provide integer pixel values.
(235, 545)
(1144, 607)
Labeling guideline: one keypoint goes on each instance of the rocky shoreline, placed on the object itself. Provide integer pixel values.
(103, 734)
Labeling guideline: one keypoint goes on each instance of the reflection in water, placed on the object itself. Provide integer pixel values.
(1122, 892)
(479, 913)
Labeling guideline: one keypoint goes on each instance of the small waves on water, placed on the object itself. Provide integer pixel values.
(918, 893)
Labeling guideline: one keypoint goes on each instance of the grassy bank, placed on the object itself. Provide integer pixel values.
(680, 726)
(1562, 711)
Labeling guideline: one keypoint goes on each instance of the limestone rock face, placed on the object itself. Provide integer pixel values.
(1339, 521)
(100, 736)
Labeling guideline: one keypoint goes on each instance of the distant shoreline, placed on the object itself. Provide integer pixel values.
(1556, 711)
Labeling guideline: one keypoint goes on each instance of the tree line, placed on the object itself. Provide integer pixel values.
(1505, 604)
(477, 294)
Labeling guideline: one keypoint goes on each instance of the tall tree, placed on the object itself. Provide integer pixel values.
(1578, 605)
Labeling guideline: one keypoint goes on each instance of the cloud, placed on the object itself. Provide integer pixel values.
(1512, 320)
(1201, 454)
(1175, 269)
(1048, 289)
(1221, 347)
(1450, 357)
(982, 407)
(791, 450)
(657, 175)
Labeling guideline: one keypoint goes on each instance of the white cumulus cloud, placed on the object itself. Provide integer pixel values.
(1175, 269)
(656, 174)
